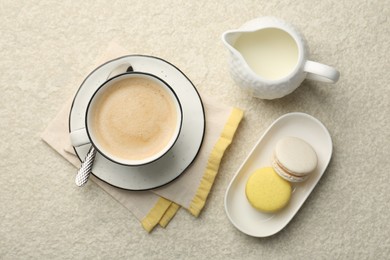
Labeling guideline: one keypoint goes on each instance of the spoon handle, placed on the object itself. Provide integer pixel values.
(86, 168)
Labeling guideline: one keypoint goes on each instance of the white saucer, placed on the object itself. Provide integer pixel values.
(255, 223)
(171, 165)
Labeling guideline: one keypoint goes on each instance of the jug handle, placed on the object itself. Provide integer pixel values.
(321, 72)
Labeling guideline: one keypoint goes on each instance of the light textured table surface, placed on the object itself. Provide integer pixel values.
(46, 49)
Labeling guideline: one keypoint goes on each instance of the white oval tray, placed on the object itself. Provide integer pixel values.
(243, 216)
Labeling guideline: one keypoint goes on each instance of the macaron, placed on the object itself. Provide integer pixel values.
(294, 159)
(266, 191)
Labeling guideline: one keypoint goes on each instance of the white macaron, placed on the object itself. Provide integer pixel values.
(294, 159)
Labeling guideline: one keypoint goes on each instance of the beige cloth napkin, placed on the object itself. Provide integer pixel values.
(189, 191)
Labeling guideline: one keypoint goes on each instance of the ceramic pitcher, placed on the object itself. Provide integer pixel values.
(270, 58)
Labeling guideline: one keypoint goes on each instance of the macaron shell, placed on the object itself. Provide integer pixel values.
(267, 191)
(285, 175)
(296, 156)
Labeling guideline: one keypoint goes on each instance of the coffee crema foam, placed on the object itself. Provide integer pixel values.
(134, 119)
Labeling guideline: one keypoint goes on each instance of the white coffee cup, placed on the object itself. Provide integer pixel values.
(270, 58)
(132, 119)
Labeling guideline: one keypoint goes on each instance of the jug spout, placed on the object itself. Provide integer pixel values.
(230, 37)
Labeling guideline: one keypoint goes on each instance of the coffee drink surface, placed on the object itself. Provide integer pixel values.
(135, 118)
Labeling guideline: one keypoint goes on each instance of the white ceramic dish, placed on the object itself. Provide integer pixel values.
(181, 155)
(243, 216)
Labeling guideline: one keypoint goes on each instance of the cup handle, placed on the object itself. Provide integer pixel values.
(321, 72)
(79, 137)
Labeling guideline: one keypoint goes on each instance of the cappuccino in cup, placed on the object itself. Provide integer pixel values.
(133, 118)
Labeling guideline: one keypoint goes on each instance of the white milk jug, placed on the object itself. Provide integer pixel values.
(269, 58)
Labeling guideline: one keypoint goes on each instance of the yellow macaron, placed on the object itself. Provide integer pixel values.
(267, 191)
